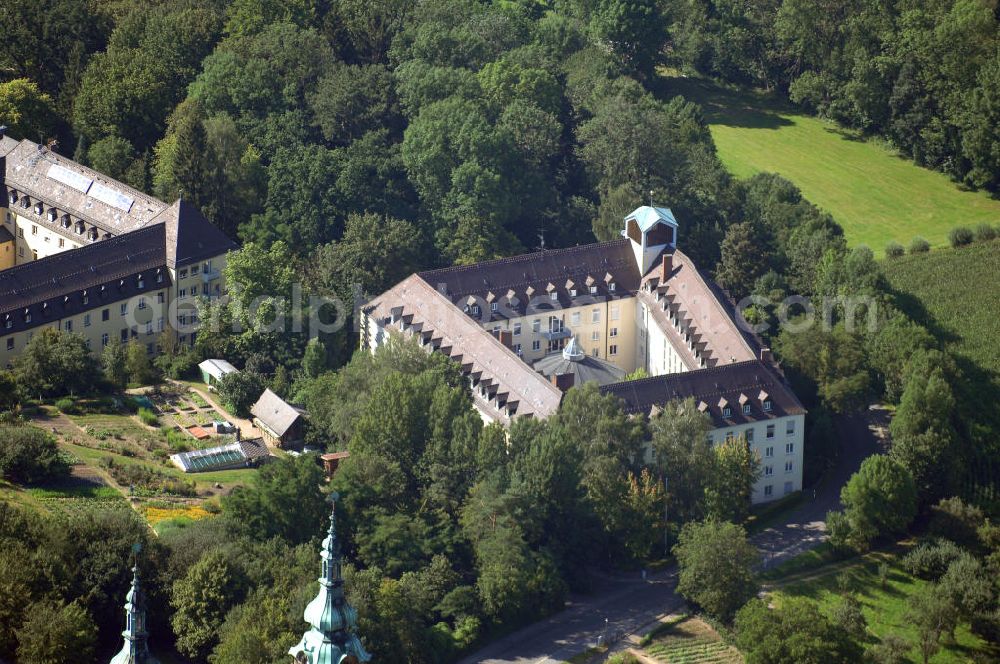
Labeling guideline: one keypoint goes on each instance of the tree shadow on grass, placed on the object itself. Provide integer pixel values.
(725, 106)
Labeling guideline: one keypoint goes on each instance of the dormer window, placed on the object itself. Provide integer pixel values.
(27, 316)
(65, 221)
(767, 404)
(475, 309)
(142, 283)
(39, 208)
(553, 295)
(727, 411)
(494, 306)
(25, 202)
(593, 290)
(572, 292)
(13, 196)
(611, 286)
(53, 213)
(746, 409)
(159, 277)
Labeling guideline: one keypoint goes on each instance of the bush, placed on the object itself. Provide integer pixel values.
(893, 250)
(28, 455)
(960, 236)
(67, 406)
(148, 417)
(985, 233)
(957, 521)
(931, 559)
(919, 246)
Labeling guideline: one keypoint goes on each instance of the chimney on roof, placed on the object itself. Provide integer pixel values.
(667, 267)
(765, 355)
(563, 381)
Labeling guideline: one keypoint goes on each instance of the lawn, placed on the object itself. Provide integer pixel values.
(884, 608)
(874, 194)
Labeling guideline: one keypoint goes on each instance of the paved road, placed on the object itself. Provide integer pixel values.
(629, 604)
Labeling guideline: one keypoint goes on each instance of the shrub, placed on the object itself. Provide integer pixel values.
(960, 236)
(919, 245)
(28, 454)
(931, 559)
(67, 406)
(148, 417)
(957, 521)
(893, 250)
(985, 233)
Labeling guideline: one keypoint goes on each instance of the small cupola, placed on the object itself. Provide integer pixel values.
(651, 230)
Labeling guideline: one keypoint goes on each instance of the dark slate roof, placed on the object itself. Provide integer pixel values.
(491, 281)
(254, 449)
(5, 235)
(107, 270)
(736, 383)
(190, 236)
(585, 369)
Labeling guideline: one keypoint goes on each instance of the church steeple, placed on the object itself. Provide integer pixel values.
(136, 648)
(332, 638)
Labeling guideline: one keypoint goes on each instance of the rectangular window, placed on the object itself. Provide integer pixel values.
(595, 335)
(789, 448)
(788, 466)
(86, 320)
(768, 471)
(149, 328)
(615, 312)
(160, 297)
(768, 452)
(768, 490)
(104, 339)
(10, 343)
(746, 409)
(553, 295)
(475, 307)
(536, 345)
(517, 348)
(34, 229)
(596, 352)
(790, 427)
(575, 318)
(612, 287)
(194, 269)
(748, 434)
(182, 293)
(124, 334)
(613, 349)
(770, 431)
(517, 329)
(593, 290)
(536, 325)
(62, 243)
(124, 308)
(595, 316)
(68, 326)
(613, 332)
(183, 274)
(159, 325)
(142, 303)
(105, 314)
(493, 305)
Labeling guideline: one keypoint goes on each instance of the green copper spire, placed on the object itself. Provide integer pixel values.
(135, 650)
(332, 638)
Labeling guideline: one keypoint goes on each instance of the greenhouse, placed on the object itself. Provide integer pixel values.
(241, 454)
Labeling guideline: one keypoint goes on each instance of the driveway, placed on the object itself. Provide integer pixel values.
(630, 605)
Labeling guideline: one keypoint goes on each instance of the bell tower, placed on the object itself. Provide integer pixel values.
(651, 230)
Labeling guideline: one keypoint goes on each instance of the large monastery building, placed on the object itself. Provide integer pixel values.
(84, 253)
(527, 328)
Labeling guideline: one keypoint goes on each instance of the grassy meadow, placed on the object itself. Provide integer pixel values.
(885, 607)
(876, 195)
